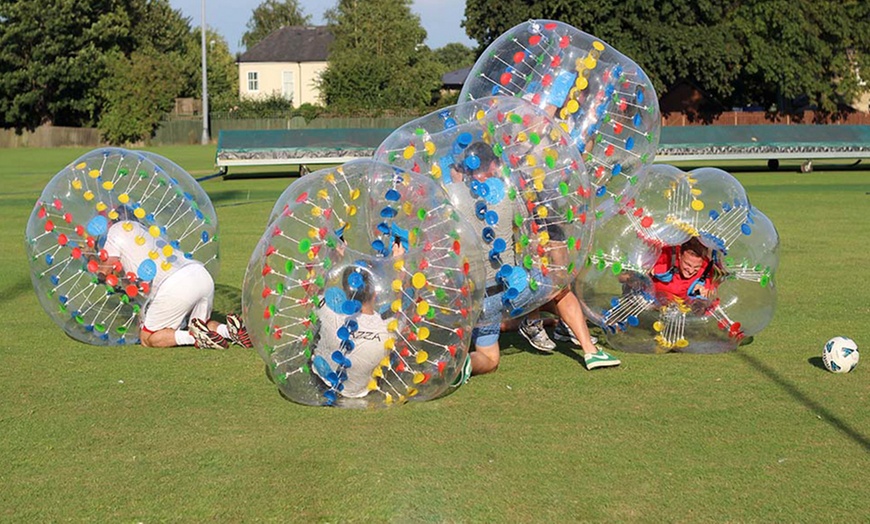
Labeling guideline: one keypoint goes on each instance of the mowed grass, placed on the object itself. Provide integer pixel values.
(130, 434)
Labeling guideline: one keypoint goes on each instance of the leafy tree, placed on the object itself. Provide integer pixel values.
(139, 91)
(55, 53)
(764, 52)
(223, 73)
(454, 56)
(272, 15)
(378, 59)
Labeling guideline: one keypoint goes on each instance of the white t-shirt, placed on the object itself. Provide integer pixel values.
(140, 251)
(368, 350)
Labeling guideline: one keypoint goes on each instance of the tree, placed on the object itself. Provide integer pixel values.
(223, 73)
(759, 52)
(378, 60)
(54, 54)
(454, 56)
(139, 91)
(270, 16)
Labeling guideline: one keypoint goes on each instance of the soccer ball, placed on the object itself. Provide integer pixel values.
(840, 355)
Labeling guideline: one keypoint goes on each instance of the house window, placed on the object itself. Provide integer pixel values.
(253, 81)
(287, 85)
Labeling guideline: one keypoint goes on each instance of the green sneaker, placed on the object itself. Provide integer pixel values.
(464, 375)
(600, 359)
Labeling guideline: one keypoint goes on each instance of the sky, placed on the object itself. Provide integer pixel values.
(440, 18)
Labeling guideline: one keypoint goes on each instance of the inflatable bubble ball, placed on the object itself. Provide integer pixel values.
(686, 265)
(604, 100)
(364, 289)
(67, 228)
(519, 180)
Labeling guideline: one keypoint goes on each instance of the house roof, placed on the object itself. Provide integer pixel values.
(455, 78)
(292, 44)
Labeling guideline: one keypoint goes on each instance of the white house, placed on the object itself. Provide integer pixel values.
(287, 62)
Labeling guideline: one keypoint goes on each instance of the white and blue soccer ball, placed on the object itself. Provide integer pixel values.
(840, 355)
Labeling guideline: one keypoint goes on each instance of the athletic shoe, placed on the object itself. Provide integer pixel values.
(238, 331)
(563, 333)
(204, 338)
(600, 359)
(464, 374)
(534, 332)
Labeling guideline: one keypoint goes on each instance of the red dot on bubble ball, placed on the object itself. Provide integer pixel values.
(647, 221)
(535, 39)
(518, 56)
(132, 291)
(505, 79)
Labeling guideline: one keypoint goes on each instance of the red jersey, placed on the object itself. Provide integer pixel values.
(668, 280)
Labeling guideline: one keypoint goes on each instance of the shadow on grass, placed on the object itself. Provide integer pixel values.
(818, 362)
(16, 290)
(227, 299)
(837, 423)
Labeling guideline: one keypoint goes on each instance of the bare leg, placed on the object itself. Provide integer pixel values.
(567, 306)
(162, 338)
(484, 359)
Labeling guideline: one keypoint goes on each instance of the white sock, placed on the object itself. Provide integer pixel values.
(223, 331)
(183, 338)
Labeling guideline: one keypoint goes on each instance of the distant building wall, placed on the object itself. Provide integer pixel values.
(293, 80)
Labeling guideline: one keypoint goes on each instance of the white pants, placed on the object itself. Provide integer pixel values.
(187, 293)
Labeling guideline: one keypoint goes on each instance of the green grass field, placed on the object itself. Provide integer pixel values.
(151, 435)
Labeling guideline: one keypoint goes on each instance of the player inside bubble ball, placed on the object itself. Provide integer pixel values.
(684, 272)
(477, 165)
(181, 290)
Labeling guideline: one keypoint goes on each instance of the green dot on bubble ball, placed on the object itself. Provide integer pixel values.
(765, 280)
(431, 313)
(304, 245)
(136, 308)
(327, 263)
(280, 288)
(306, 369)
(318, 281)
(289, 266)
(312, 317)
(524, 240)
(617, 268)
(550, 161)
(121, 330)
(419, 131)
(601, 265)
(491, 128)
(533, 285)
(527, 261)
(518, 220)
(516, 119)
(440, 294)
(570, 267)
(421, 214)
(512, 194)
(571, 242)
(563, 188)
(497, 149)
(272, 309)
(569, 215)
(535, 138)
(330, 242)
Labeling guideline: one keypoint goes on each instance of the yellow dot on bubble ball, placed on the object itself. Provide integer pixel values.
(113, 215)
(378, 372)
(531, 160)
(393, 325)
(94, 173)
(153, 255)
(312, 233)
(429, 147)
(397, 285)
(522, 137)
(101, 206)
(418, 280)
(422, 308)
(108, 185)
(695, 191)
(155, 231)
(399, 265)
(481, 114)
(330, 178)
(123, 198)
(312, 255)
(351, 210)
(543, 211)
(697, 205)
(139, 213)
(539, 186)
(89, 195)
(423, 334)
(396, 305)
(422, 356)
(77, 184)
(563, 113)
(140, 240)
(389, 345)
(544, 237)
(409, 152)
(166, 266)
(436, 171)
(385, 362)
(354, 194)
(582, 83)
(419, 377)
(324, 194)
(598, 45)
(372, 385)
(573, 106)
(81, 165)
(128, 226)
(658, 326)
(167, 250)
